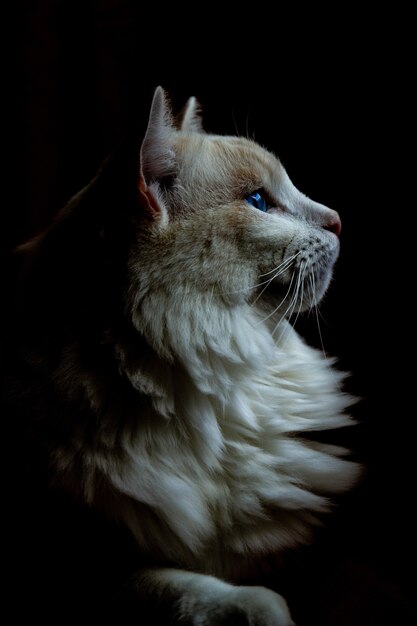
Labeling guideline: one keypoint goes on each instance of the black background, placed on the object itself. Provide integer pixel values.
(331, 102)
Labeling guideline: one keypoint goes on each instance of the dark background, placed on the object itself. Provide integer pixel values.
(331, 102)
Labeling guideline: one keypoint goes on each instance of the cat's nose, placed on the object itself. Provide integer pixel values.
(333, 223)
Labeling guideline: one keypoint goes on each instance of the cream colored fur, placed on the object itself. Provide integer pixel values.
(215, 472)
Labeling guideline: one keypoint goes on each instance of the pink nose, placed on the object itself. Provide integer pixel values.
(334, 224)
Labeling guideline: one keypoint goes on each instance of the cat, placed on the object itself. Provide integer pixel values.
(157, 372)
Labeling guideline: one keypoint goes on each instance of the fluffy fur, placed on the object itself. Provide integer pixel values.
(173, 392)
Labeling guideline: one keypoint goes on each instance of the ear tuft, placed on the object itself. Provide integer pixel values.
(190, 120)
(157, 157)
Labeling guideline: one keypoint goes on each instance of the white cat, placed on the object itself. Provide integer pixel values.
(194, 439)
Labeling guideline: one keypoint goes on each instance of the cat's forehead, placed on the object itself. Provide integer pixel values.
(215, 155)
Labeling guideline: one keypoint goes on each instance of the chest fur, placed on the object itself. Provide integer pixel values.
(230, 471)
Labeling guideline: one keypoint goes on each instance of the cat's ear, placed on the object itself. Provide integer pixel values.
(190, 118)
(157, 156)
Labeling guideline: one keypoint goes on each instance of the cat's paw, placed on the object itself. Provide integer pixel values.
(238, 606)
(262, 607)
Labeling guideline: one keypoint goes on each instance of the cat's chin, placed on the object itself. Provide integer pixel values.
(312, 298)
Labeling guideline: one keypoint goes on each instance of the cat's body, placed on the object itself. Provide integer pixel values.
(161, 376)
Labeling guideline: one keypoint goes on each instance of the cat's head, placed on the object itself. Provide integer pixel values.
(214, 216)
(225, 217)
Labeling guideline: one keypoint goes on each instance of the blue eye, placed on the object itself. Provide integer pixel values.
(257, 201)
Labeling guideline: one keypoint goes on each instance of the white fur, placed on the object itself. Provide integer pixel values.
(215, 471)
(208, 601)
(227, 475)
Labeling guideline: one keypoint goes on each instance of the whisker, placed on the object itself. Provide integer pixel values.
(280, 269)
(291, 258)
(280, 305)
(269, 281)
(290, 309)
(310, 294)
(321, 316)
(286, 330)
(313, 289)
(315, 307)
(235, 124)
(247, 124)
(302, 274)
(264, 282)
